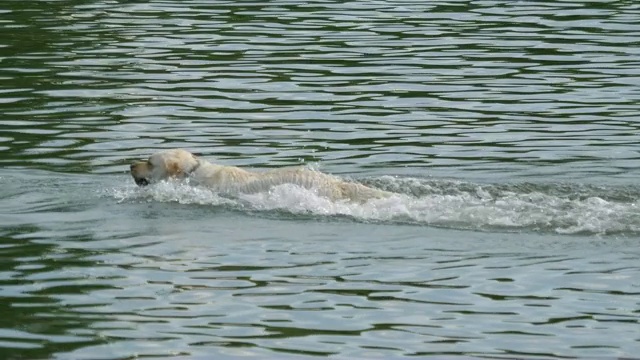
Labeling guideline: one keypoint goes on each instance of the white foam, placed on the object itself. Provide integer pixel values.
(166, 191)
(453, 204)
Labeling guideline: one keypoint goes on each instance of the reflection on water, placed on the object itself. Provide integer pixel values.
(544, 89)
(509, 130)
(162, 278)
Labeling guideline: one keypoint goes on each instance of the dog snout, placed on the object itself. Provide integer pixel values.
(136, 166)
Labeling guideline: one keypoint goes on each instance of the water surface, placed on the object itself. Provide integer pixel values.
(508, 129)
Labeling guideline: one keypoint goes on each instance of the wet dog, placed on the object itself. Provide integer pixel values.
(181, 164)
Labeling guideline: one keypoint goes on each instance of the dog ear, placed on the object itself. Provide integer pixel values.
(174, 170)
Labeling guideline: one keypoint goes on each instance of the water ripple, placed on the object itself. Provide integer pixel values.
(516, 120)
(529, 90)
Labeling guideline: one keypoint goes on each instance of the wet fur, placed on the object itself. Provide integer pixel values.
(180, 164)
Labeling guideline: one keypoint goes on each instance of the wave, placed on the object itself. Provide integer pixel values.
(558, 207)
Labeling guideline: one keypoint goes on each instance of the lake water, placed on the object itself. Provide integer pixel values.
(509, 130)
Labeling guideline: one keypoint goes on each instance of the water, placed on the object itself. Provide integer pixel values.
(507, 129)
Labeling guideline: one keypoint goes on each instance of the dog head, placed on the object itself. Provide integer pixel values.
(167, 164)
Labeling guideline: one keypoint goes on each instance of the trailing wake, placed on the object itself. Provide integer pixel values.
(559, 208)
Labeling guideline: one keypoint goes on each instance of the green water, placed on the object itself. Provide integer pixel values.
(508, 129)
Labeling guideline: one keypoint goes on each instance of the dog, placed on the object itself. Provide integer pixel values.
(180, 164)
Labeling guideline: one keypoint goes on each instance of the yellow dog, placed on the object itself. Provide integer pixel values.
(181, 164)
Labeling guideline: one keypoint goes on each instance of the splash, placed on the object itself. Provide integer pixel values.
(558, 208)
(165, 191)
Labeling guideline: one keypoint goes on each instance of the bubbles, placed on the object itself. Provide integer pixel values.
(558, 208)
